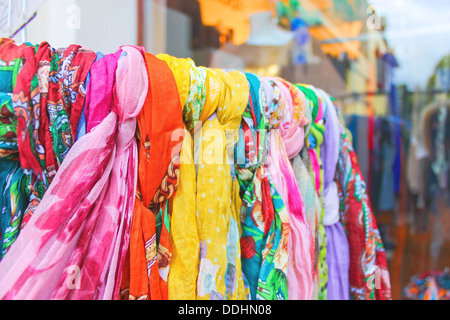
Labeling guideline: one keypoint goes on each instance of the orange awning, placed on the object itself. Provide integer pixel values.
(233, 15)
(340, 39)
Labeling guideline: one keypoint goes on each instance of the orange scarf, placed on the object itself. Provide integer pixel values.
(160, 126)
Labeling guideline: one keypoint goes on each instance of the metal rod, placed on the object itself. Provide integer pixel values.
(24, 12)
(9, 15)
(140, 22)
(379, 93)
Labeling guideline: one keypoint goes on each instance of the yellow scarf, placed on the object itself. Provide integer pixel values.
(182, 279)
(203, 224)
(220, 273)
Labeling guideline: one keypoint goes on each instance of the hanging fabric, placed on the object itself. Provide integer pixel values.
(139, 177)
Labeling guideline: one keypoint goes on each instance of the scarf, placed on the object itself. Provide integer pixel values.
(248, 156)
(301, 166)
(182, 281)
(14, 199)
(220, 273)
(99, 90)
(315, 140)
(81, 127)
(13, 203)
(48, 98)
(147, 266)
(89, 234)
(367, 255)
(329, 150)
(301, 247)
(300, 280)
(293, 119)
(332, 215)
(196, 97)
(338, 256)
(338, 260)
(264, 216)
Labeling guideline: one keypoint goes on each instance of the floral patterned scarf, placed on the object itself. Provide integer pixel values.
(264, 217)
(368, 267)
(48, 99)
(315, 140)
(74, 245)
(13, 182)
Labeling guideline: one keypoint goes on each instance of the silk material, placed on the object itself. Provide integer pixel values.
(99, 90)
(81, 127)
(315, 140)
(300, 278)
(338, 259)
(181, 71)
(303, 172)
(329, 149)
(13, 203)
(48, 99)
(193, 225)
(332, 214)
(367, 255)
(15, 198)
(185, 243)
(197, 96)
(217, 219)
(264, 217)
(90, 232)
(150, 251)
(288, 122)
(214, 103)
(293, 120)
(182, 279)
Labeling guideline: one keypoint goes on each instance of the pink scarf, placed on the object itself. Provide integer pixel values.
(74, 244)
(99, 90)
(293, 119)
(300, 278)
